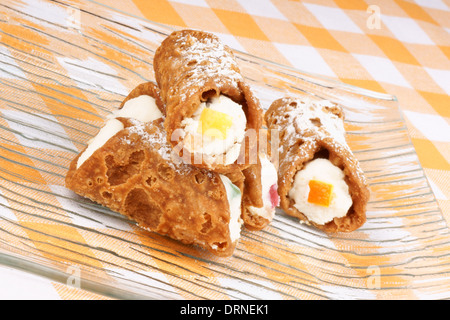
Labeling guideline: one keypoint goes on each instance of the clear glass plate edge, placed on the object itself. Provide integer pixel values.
(55, 275)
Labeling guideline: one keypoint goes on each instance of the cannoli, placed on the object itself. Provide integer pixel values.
(131, 170)
(319, 179)
(212, 116)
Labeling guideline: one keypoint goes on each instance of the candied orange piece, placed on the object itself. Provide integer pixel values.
(320, 193)
(214, 123)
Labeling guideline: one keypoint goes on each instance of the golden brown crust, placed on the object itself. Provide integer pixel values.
(252, 197)
(299, 145)
(133, 174)
(193, 66)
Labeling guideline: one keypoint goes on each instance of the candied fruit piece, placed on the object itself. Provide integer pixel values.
(274, 198)
(320, 193)
(214, 123)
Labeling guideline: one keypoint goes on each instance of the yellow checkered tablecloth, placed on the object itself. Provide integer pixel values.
(399, 47)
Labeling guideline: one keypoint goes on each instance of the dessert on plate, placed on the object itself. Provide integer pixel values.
(319, 179)
(187, 156)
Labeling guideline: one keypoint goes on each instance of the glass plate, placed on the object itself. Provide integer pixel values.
(65, 66)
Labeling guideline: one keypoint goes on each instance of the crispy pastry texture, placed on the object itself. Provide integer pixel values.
(253, 198)
(191, 67)
(302, 139)
(134, 174)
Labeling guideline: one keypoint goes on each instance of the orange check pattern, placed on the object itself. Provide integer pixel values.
(399, 47)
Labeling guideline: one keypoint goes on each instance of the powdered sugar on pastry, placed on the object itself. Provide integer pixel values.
(314, 120)
(310, 118)
(212, 60)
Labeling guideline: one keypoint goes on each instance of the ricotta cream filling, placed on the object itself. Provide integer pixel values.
(321, 170)
(269, 182)
(142, 108)
(234, 197)
(217, 150)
